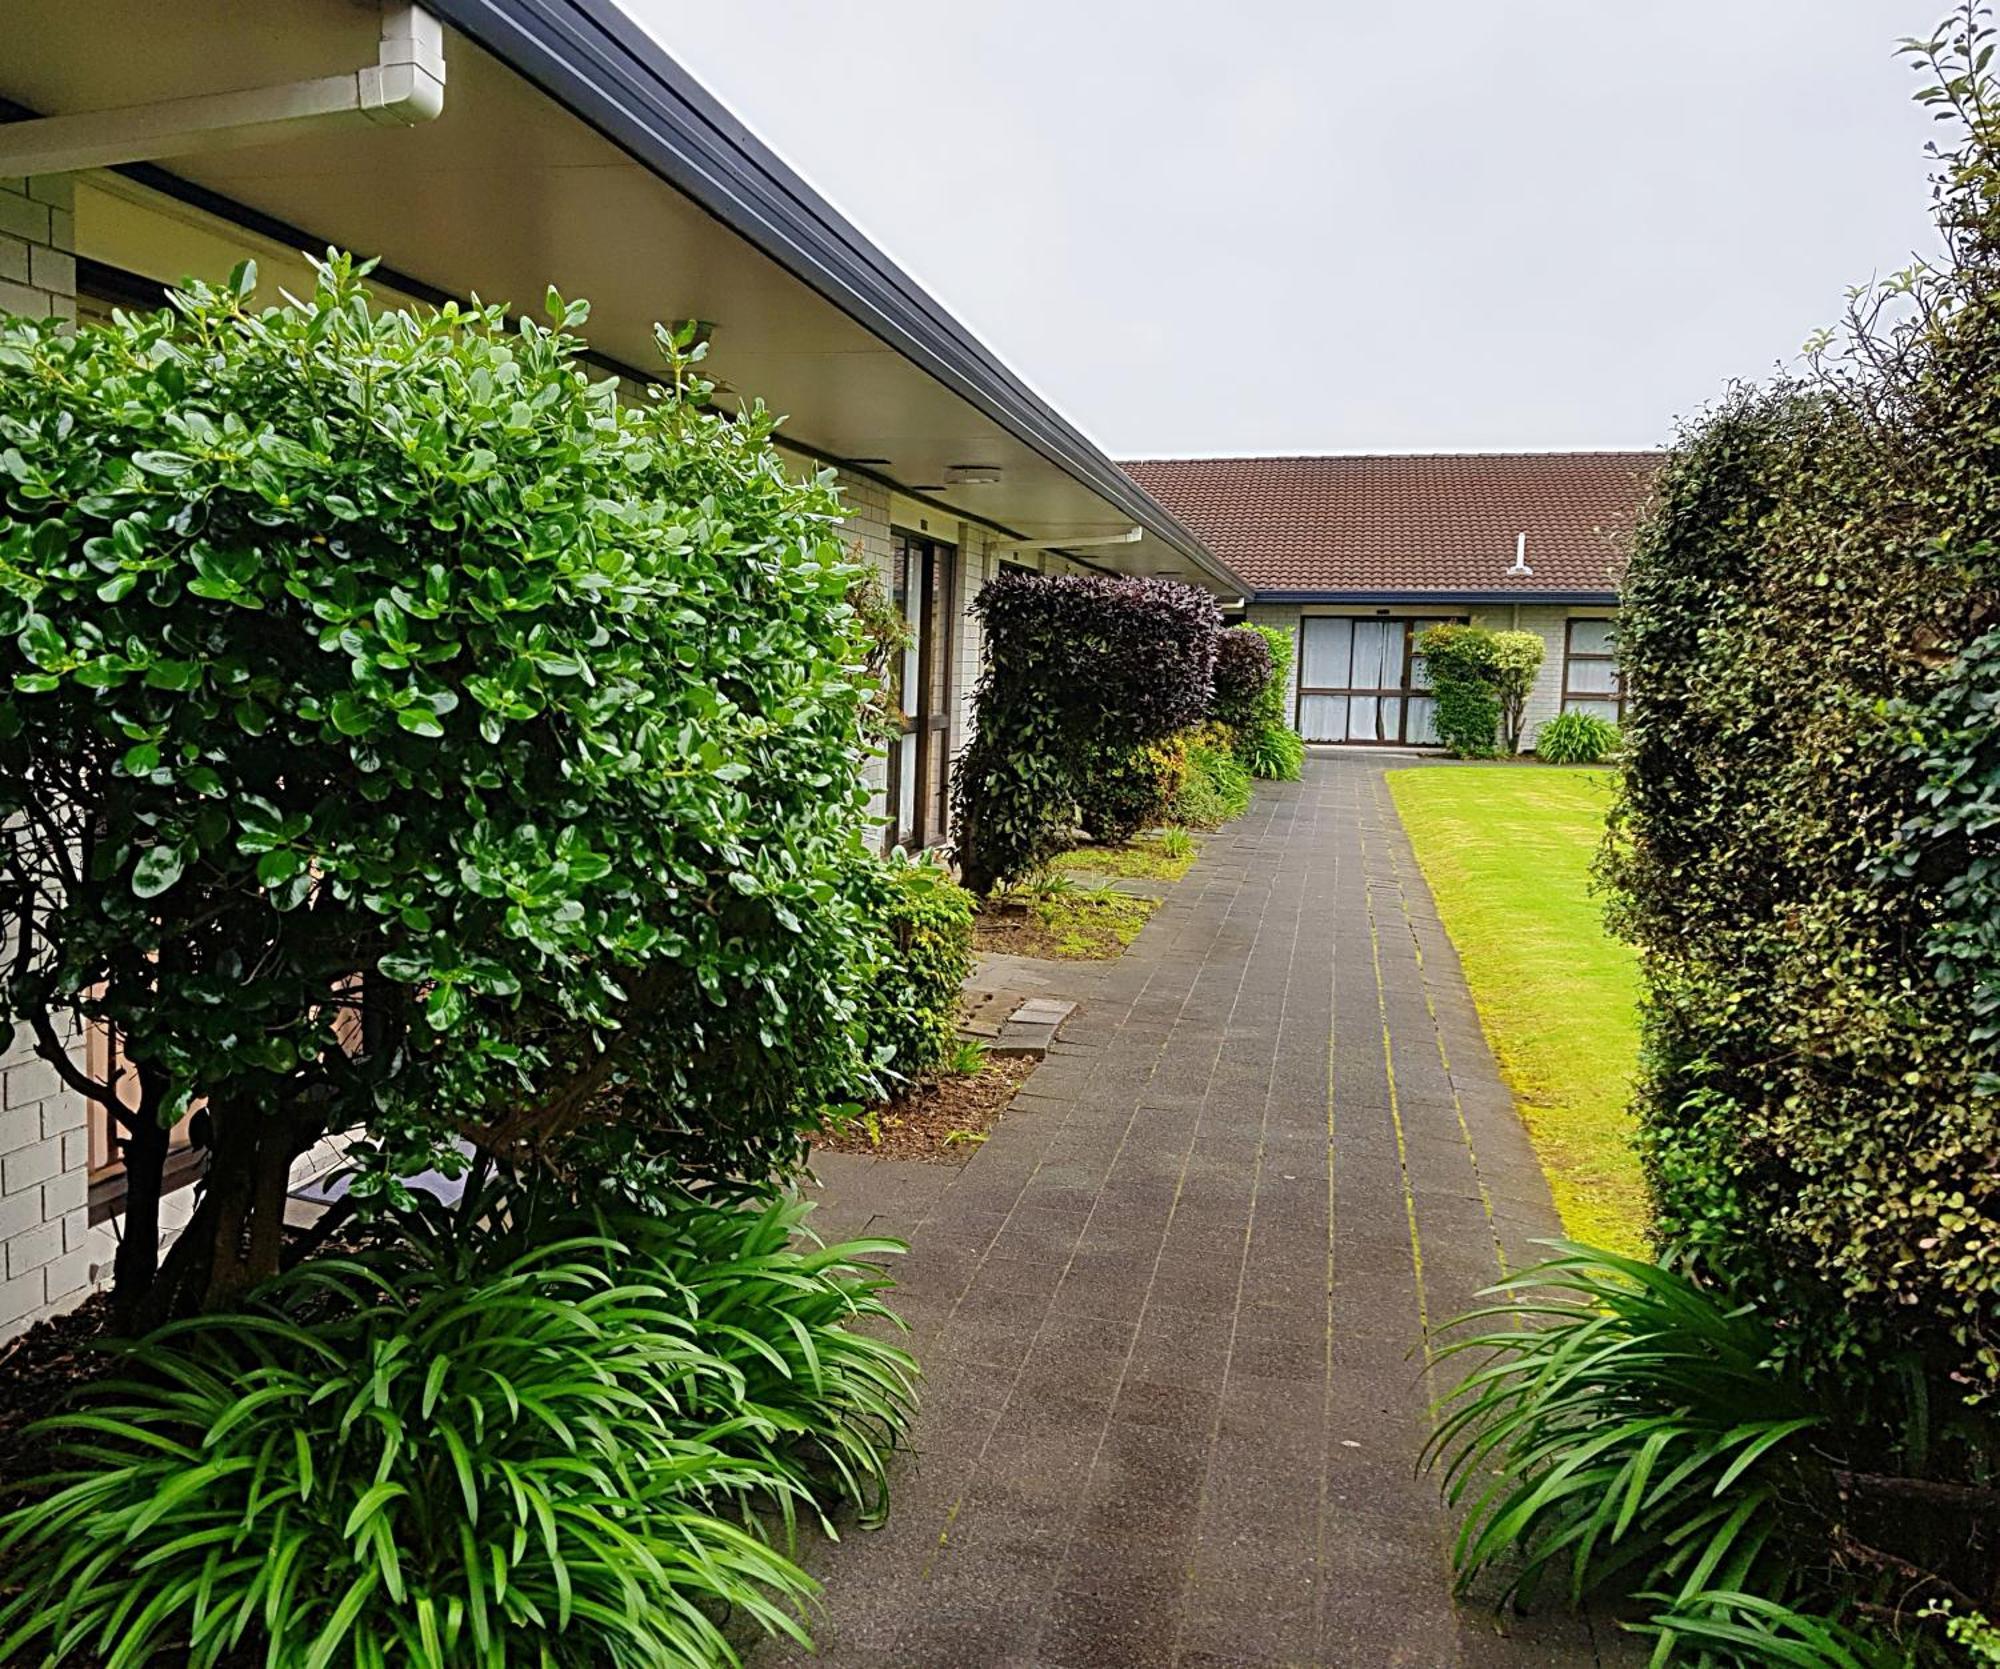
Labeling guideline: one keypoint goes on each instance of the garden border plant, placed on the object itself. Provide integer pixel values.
(514, 1428)
(389, 713)
(1081, 670)
(1805, 853)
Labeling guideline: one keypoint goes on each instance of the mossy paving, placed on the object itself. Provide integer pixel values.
(1175, 1314)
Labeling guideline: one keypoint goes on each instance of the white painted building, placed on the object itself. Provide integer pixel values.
(496, 147)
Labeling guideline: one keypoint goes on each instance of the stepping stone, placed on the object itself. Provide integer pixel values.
(1031, 1028)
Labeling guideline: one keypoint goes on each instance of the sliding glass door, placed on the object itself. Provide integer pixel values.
(1361, 680)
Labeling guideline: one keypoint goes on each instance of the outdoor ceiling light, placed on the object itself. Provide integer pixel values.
(971, 475)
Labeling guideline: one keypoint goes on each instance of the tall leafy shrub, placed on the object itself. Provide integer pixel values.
(1244, 670)
(1462, 662)
(1806, 846)
(398, 730)
(921, 924)
(1267, 744)
(1077, 666)
(1516, 662)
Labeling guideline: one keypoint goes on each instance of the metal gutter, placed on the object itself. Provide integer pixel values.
(601, 66)
(1586, 599)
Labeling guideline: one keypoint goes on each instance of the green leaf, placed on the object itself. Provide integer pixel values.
(351, 715)
(173, 675)
(158, 868)
(279, 864)
(166, 464)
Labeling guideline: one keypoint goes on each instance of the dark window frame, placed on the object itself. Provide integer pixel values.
(1589, 657)
(929, 569)
(1404, 692)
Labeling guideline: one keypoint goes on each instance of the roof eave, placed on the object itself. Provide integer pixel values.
(599, 64)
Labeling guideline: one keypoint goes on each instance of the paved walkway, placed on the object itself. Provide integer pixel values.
(1173, 1313)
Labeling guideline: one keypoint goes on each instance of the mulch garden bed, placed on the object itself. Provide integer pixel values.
(38, 1371)
(941, 1123)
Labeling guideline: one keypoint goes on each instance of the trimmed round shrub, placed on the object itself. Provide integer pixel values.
(921, 921)
(400, 730)
(1576, 738)
(1243, 672)
(1462, 665)
(1076, 666)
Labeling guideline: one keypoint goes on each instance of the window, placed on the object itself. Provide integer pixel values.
(107, 1158)
(1590, 670)
(923, 584)
(1362, 680)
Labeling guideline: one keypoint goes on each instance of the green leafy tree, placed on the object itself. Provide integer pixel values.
(401, 732)
(1516, 663)
(1462, 663)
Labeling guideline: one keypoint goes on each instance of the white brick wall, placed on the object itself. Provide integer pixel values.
(43, 1211)
(44, 1146)
(37, 240)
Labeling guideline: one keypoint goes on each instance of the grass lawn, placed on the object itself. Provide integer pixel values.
(1146, 858)
(1507, 851)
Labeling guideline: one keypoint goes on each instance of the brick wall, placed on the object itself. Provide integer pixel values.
(44, 1209)
(37, 237)
(44, 1139)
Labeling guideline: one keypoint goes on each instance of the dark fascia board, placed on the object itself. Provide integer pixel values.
(1577, 599)
(600, 65)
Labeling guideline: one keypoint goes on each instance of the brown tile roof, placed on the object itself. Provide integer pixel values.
(1442, 522)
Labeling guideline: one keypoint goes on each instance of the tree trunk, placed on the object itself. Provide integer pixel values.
(236, 1236)
(138, 1259)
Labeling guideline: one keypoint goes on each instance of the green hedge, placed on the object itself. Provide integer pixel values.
(389, 678)
(922, 923)
(1266, 743)
(1078, 668)
(1466, 711)
(1807, 850)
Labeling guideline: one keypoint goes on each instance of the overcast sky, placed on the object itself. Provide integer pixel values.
(1352, 225)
